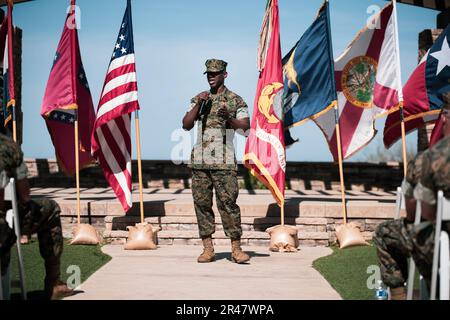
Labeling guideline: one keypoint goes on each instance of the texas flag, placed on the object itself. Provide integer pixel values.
(423, 93)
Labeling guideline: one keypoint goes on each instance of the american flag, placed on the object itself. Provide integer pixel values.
(111, 140)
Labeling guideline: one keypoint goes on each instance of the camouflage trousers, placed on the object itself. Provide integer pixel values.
(396, 241)
(227, 190)
(41, 216)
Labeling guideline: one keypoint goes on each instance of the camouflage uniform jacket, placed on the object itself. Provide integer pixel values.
(434, 172)
(214, 149)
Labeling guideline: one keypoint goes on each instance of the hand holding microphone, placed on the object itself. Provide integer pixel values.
(202, 101)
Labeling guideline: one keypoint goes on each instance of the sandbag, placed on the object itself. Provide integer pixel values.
(141, 237)
(85, 234)
(283, 238)
(348, 235)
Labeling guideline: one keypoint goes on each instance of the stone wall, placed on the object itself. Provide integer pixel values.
(316, 222)
(165, 174)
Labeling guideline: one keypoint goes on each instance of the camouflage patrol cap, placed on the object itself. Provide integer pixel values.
(11, 157)
(215, 65)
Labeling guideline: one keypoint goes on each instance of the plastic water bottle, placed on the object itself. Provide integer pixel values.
(381, 292)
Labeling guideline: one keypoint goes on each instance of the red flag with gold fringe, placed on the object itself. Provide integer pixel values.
(265, 152)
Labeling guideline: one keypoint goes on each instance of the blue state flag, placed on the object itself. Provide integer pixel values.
(309, 88)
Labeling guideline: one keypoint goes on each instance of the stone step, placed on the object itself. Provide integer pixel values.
(187, 223)
(190, 237)
(257, 238)
(184, 207)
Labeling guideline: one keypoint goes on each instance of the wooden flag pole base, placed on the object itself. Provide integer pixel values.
(143, 235)
(83, 234)
(347, 234)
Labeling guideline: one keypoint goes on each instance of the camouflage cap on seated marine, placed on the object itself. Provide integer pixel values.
(215, 65)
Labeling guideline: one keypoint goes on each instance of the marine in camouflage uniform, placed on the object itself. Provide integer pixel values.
(41, 216)
(213, 160)
(399, 240)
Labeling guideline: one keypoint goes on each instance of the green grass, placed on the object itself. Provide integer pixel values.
(346, 271)
(88, 258)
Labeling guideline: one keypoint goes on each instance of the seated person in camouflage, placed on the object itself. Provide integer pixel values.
(398, 240)
(435, 174)
(39, 216)
(218, 113)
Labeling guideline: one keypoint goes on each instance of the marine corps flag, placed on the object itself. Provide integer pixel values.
(265, 154)
(67, 98)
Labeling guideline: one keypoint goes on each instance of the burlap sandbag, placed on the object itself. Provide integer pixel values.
(141, 237)
(85, 234)
(348, 235)
(283, 238)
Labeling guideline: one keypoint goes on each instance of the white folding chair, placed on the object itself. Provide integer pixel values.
(444, 272)
(13, 217)
(441, 263)
(412, 265)
(399, 203)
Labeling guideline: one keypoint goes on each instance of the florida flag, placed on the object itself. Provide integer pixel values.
(423, 92)
(265, 154)
(368, 84)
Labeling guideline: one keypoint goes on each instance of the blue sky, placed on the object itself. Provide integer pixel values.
(173, 38)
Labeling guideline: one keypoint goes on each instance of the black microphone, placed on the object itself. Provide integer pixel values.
(203, 107)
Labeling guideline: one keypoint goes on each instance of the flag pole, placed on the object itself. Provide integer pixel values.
(405, 159)
(77, 167)
(84, 234)
(346, 234)
(399, 85)
(341, 167)
(14, 124)
(138, 142)
(77, 143)
(336, 116)
(11, 68)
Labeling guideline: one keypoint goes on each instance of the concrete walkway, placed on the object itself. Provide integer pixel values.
(172, 273)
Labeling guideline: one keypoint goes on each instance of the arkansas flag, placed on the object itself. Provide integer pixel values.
(265, 154)
(423, 92)
(368, 84)
(67, 96)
